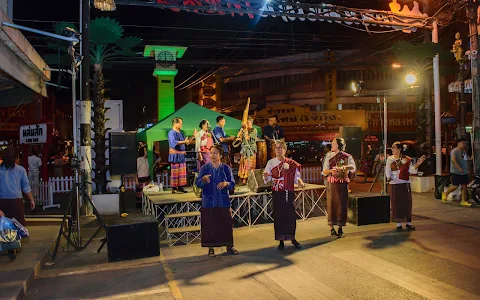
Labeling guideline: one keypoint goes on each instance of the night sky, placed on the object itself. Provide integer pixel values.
(209, 37)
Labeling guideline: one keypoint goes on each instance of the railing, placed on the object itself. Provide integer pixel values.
(61, 184)
(308, 174)
(130, 182)
(312, 175)
(42, 193)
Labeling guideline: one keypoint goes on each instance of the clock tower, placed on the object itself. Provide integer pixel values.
(165, 72)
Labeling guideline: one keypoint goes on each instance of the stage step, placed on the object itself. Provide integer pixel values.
(183, 229)
(183, 215)
(43, 220)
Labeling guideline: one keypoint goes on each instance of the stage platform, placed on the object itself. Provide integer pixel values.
(248, 208)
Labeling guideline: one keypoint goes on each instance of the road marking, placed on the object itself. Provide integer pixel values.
(172, 283)
(298, 283)
(142, 293)
(420, 284)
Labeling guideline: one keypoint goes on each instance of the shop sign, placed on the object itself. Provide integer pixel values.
(396, 121)
(33, 134)
(371, 138)
(292, 115)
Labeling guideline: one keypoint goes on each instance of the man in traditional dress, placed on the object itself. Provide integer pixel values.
(216, 179)
(176, 156)
(397, 171)
(221, 138)
(271, 133)
(248, 152)
(284, 172)
(337, 165)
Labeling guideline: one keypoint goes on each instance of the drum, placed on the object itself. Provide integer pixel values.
(272, 150)
(261, 154)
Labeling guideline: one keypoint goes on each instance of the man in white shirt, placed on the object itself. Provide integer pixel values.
(34, 164)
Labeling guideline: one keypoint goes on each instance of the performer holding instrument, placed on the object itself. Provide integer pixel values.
(337, 166)
(284, 172)
(397, 171)
(247, 138)
(176, 155)
(221, 138)
(272, 132)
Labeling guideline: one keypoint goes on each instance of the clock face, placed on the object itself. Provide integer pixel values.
(165, 58)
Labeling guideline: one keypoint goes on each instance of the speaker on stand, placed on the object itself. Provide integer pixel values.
(123, 154)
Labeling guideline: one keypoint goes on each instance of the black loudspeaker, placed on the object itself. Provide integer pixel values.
(255, 182)
(368, 208)
(353, 137)
(132, 237)
(123, 153)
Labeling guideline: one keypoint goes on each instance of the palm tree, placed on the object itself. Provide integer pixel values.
(106, 43)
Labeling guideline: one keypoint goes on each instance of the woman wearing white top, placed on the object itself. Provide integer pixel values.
(398, 169)
(203, 143)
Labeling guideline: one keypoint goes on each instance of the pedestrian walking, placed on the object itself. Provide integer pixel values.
(459, 161)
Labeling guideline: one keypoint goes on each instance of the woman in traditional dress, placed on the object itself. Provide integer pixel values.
(337, 166)
(284, 172)
(203, 143)
(398, 170)
(248, 152)
(216, 179)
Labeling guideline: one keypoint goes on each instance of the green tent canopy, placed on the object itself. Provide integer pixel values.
(191, 114)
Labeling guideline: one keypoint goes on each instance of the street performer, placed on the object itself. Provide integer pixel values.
(337, 166)
(284, 172)
(272, 132)
(176, 156)
(221, 138)
(248, 152)
(203, 143)
(216, 179)
(398, 170)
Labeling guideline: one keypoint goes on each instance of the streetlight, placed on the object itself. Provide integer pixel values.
(410, 78)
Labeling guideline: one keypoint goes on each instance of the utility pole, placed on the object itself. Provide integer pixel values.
(86, 110)
(472, 9)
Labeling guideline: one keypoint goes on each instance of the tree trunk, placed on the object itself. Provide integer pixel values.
(99, 129)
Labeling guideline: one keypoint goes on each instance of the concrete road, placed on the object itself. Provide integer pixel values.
(440, 260)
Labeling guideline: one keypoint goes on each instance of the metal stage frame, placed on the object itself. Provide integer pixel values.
(248, 208)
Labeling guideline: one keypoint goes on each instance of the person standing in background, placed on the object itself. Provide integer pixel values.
(58, 165)
(248, 160)
(34, 164)
(272, 132)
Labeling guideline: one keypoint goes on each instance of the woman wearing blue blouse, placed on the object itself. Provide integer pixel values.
(216, 179)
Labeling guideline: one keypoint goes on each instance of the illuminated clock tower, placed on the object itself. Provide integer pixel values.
(165, 72)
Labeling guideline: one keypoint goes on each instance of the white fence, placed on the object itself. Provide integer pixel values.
(43, 191)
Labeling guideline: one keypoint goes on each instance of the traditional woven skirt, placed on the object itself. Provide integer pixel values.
(13, 208)
(217, 227)
(337, 198)
(142, 182)
(247, 164)
(179, 175)
(204, 161)
(284, 216)
(401, 202)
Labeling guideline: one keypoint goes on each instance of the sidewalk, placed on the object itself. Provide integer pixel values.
(17, 275)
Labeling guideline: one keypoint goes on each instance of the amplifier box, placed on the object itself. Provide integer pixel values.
(132, 237)
(368, 208)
